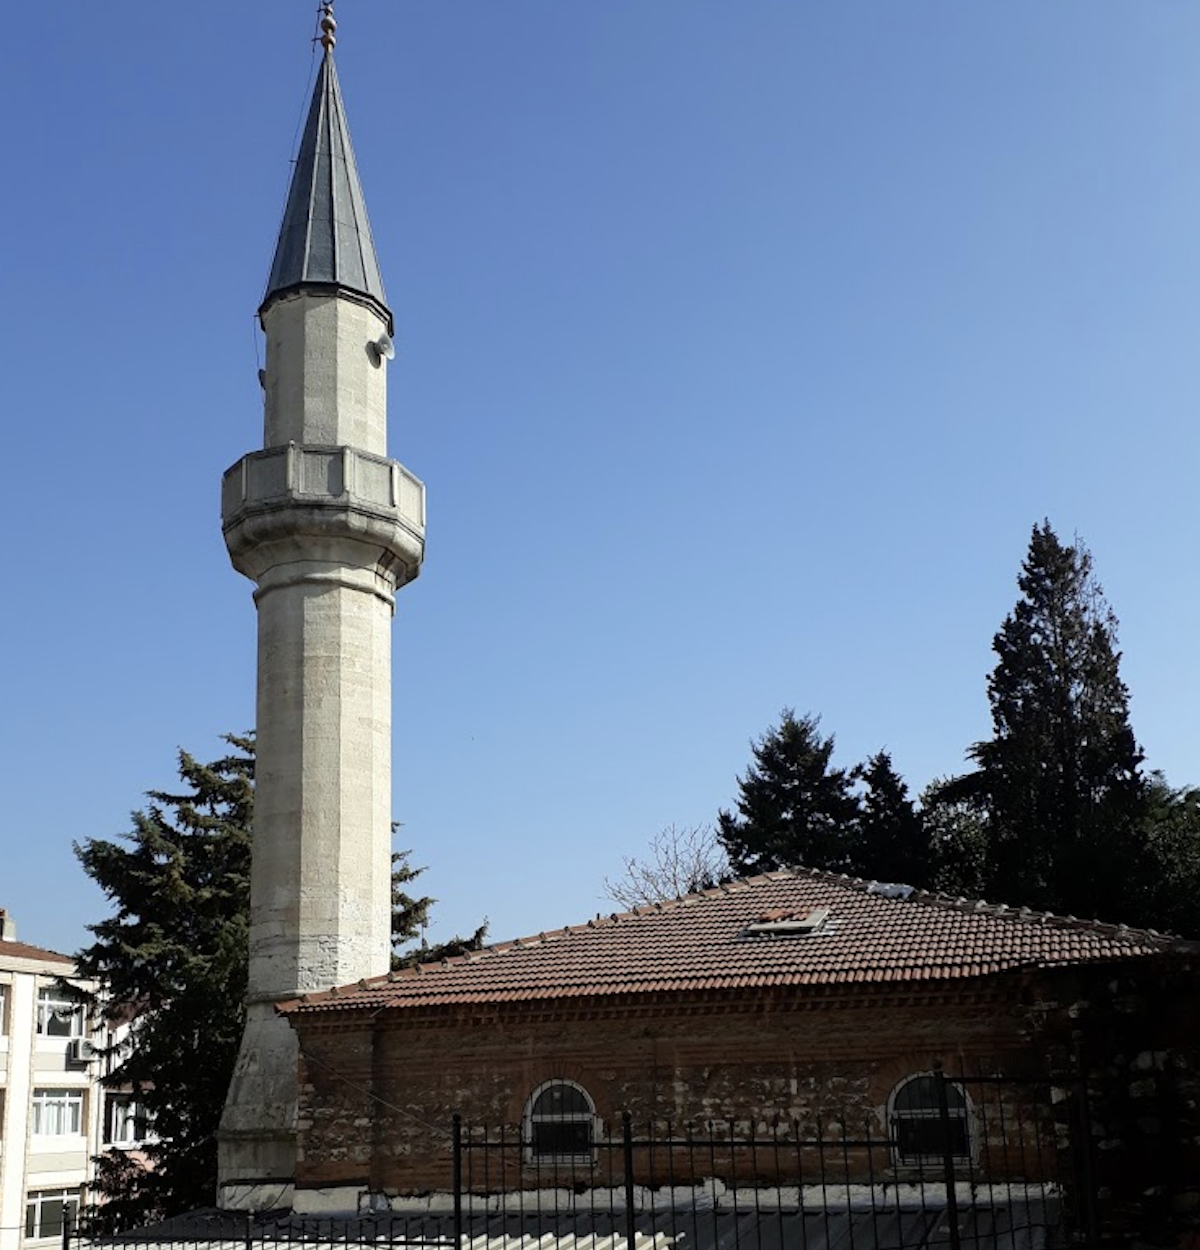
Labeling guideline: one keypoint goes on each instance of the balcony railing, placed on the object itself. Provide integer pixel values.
(298, 474)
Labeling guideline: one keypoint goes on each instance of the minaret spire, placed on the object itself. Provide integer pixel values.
(325, 237)
(329, 529)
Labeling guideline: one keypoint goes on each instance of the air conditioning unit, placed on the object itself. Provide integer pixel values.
(80, 1051)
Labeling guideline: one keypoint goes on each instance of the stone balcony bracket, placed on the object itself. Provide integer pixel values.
(307, 503)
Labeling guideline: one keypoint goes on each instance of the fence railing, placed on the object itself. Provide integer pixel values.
(977, 1162)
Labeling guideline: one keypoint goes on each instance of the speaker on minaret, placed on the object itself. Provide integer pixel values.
(328, 529)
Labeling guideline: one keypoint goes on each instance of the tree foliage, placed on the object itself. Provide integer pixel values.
(1060, 779)
(1165, 880)
(1057, 814)
(173, 956)
(957, 830)
(680, 861)
(892, 842)
(410, 920)
(172, 960)
(793, 806)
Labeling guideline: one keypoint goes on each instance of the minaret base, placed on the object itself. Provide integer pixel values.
(256, 1143)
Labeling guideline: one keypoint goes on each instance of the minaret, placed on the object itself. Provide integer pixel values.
(329, 529)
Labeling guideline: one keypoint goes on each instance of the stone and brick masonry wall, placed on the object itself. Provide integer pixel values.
(378, 1098)
(1132, 1034)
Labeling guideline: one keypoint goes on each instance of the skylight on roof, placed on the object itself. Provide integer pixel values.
(779, 923)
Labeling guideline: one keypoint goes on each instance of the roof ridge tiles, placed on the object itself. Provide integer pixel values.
(1005, 911)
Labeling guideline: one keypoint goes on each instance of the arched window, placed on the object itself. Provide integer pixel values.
(920, 1133)
(560, 1123)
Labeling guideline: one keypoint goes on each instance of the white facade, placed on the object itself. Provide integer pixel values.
(51, 1104)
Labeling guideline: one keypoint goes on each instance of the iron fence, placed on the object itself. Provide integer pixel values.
(968, 1162)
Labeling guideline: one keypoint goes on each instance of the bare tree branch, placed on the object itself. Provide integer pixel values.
(680, 861)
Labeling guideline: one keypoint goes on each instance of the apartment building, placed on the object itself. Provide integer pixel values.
(52, 1109)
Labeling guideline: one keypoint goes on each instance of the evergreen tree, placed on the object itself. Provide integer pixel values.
(957, 830)
(793, 807)
(1166, 878)
(893, 843)
(173, 958)
(1060, 778)
(410, 916)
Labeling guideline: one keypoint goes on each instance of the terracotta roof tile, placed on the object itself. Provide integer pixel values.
(22, 950)
(700, 942)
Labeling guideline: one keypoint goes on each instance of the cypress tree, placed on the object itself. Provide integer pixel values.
(1061, 776)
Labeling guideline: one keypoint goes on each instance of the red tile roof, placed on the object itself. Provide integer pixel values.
(22, 950)
(700, 942)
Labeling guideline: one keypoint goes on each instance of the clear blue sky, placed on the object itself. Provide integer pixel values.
(741, 345)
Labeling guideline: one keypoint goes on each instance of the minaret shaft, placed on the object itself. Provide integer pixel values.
(320, 884)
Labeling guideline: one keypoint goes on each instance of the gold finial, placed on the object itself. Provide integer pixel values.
(328, 26)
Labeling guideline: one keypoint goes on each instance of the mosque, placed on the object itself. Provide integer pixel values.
(753, 999)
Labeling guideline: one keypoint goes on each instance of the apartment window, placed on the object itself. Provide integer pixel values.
(57, 1112)
(920, 1134)
(560, 1123)
(58, 1015)
(125, 1121)
(3, 1010)
(46, 1211)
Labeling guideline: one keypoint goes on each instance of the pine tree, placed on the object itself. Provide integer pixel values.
(793, 807)
(893, 843)
(1061, 776)
(410, 916)
(173, 957)
(172, 960)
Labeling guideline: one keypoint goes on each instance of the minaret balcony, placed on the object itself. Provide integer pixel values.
(300, 494)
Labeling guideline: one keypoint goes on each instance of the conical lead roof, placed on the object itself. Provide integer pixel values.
(325, 239)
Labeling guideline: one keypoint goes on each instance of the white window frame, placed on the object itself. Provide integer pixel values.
(35, 1202)
(54, 1106)
(531, 1119)
(132, 1115)
(965, 1113)
(54, 1007)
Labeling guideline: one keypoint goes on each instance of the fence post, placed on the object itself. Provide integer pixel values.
(68, 1221)
(248, 1231)
(947, 1157)
(1083, 1145)
(627, 1150)
(458, 1216)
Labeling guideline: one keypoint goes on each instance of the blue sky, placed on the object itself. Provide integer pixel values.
(740, 347)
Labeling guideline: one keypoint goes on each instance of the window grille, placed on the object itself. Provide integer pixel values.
(918, 1129)
(561, 1123)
